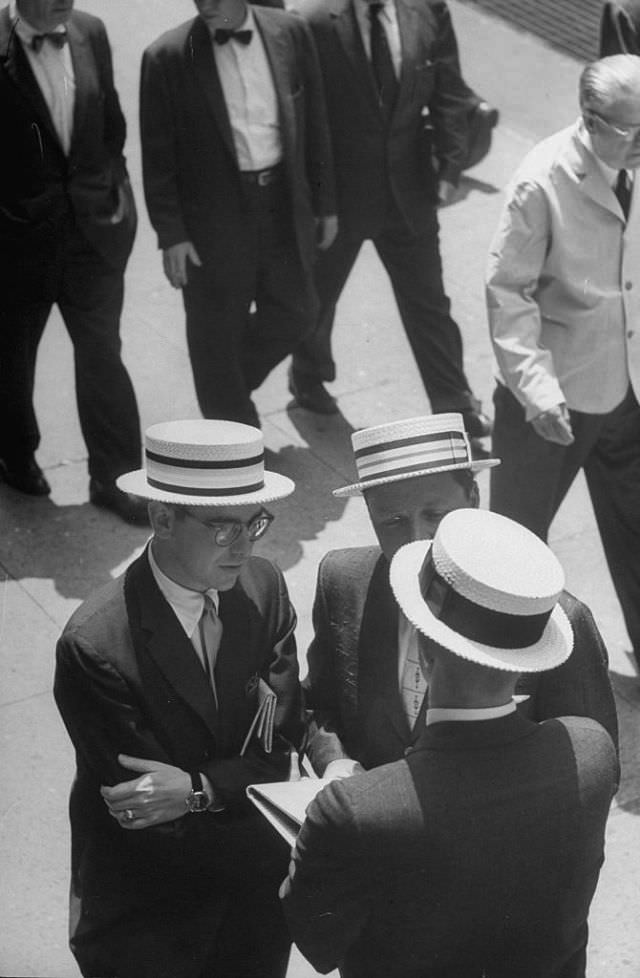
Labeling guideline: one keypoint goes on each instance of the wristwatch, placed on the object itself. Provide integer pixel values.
(197, 800)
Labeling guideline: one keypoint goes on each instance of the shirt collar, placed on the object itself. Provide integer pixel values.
(608, 172)
(187, 604)
(442, 714)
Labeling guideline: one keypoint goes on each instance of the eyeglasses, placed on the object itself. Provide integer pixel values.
(227, 532)
(627, 133)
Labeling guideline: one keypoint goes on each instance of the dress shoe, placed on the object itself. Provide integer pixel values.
(129, 508)
(26, 476)
(476, 424)
(312, 395)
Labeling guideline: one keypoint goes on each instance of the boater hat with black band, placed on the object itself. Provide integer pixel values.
(205, 463)
(413, 447)
(486, 589)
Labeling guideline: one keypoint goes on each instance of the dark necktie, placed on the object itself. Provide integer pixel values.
(381, 60)
(57, 38)
(210, 629)
(622, 191)
(222, 36)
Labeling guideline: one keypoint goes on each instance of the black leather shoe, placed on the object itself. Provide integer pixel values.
(26, 476)
(476, 424)
(313, 396)
(129, 508)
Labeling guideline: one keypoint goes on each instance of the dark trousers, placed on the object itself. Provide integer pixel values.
(535, 476)
(231, 351)
(89, 295)
(413, 264)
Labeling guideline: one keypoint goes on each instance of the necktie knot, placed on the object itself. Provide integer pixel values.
(223, 36)
(57, 38)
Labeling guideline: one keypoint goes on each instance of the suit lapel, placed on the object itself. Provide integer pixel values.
(348, 33)
(411, 34)
(277, 51)
(84, 71)
(379, 651)
(162, 638)
(207, 73)
(234, 666)
(18, 69)
(584, 168)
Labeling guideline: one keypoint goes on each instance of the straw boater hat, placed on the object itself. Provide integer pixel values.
(205, 463)
(496, 586)
(413, 447)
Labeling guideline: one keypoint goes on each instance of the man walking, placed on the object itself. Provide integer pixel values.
(67, 224)
(178, 684)
(239, 184)
(562, 297)
(399, 131)
(478, 854)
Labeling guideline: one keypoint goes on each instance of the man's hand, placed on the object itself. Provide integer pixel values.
(156, 797)
(446, 193)
(174, 262)
(554, 425)
(342, 767)
(326, 231)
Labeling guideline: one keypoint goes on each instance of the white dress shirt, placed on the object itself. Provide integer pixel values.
(186, 604)
(442, 714)
(250, 96)
(53, 70)
(389, 20)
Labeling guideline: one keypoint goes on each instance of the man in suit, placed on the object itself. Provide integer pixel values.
(563, 307)
(239, 185)
(399, 131)
(366, 683)
(67, 223)
(478, 854)
(159, 677)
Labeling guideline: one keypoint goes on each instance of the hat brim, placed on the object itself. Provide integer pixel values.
(552, 649)
(357, 488)
(275, 487)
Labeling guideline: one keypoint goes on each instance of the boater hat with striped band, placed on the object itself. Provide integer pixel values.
(413, 447)
(485, 588)
(205, 463)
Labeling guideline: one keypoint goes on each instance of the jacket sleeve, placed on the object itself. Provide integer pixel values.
(448, 106)
(320, 687)
(325, 898)
(115, 127)
(581, 685)
(319, 155)
(159, 154)
(516, 261)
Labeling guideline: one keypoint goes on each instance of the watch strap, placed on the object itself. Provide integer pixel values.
(196, 781)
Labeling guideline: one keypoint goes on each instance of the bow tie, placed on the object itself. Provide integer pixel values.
(59, 38)
(222, 35)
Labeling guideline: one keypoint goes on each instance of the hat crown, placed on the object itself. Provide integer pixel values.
(497, 563)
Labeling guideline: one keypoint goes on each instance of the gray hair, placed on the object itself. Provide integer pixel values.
(609, 79)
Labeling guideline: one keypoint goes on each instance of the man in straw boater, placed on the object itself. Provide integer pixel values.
(368, 674)
(160, 676)
(478, 854)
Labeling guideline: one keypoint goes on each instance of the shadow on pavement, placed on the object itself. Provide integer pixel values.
(77, 547)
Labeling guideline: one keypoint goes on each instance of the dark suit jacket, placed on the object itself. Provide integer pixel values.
(41, 188)
(476, 857)
(191, 175)
(620, 28)
(372, 157)
(352, 683)
(128, 680)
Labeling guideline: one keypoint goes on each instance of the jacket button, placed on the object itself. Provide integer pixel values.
(407, 751)
(628, 285)
(629, 334)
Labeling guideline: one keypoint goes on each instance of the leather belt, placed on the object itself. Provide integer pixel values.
(262, 178)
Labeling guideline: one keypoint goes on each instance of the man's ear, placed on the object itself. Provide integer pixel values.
(589, 122)
(162, 518)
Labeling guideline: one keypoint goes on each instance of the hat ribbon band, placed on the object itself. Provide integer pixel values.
(202, 491)
(200, 463)
(496, 628)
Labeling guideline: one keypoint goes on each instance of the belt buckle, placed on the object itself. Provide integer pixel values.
(263, 178)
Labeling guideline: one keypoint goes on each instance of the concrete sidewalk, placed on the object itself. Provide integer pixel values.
(54, 551)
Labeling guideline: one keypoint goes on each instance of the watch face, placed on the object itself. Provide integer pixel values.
(198, 801)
